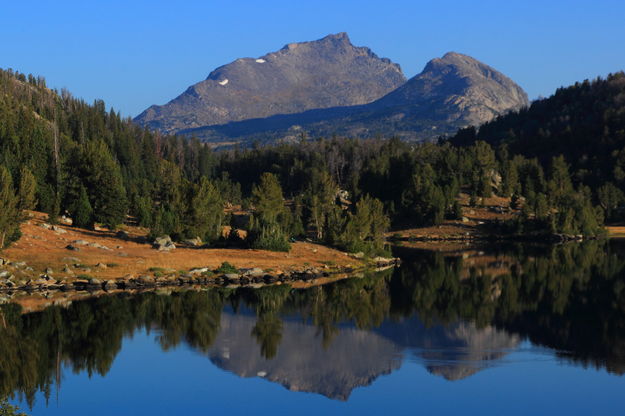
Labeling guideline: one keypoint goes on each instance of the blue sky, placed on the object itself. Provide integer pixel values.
(136, 53)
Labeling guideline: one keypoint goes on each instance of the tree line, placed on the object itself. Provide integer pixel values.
(63, 156)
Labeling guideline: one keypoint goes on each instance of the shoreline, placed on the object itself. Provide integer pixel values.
(64, 258)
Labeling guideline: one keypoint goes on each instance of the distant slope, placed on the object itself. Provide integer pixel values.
(451, 92)
(325, 73)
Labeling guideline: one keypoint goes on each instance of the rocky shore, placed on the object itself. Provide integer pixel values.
(14, 276)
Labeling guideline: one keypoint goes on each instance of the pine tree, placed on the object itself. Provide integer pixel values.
(560, 184)
(27, 189)
(104, 181)
(206, 212)
(268, 199)
(82, 213)
(267, 229)
(321, 197)
(610, 197)
(364, 230)
(10, 213)
(485, 164)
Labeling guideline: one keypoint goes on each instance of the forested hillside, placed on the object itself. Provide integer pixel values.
(93, 164)
(584, 122)
(63, 156)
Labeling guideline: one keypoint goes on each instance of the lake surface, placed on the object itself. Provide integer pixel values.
(497, 330)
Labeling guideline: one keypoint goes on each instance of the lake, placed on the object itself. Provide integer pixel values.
(506, 329)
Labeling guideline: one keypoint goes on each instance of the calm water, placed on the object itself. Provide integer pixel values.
(506, 330)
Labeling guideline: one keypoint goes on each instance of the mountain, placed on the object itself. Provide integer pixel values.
(324, 73)
(451, 92)
(453, 88)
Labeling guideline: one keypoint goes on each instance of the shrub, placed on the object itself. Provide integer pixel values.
(270, 237)
(226, 268)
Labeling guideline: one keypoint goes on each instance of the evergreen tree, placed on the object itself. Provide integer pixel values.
(82, 213)
(364, 230)
(104, 181)
(267, 230)
(560, 185)
(610, 198)
(485, 163)
(27, 190)
(10, 213)
(268, 199)
(321, 196)
(206, 212)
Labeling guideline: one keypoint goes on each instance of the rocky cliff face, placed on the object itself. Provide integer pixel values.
(325, 73)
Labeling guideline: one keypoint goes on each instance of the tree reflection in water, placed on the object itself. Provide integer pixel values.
(450, 309)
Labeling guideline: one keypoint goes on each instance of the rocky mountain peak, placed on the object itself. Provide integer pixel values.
(459, 87)
(324, 73)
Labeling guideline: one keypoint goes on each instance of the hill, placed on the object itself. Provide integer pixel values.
(585, 122)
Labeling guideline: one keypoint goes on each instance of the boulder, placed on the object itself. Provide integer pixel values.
(385, 261)
(145, 280)
(71, 259)
(100, 246)
(109, 285)
(252, 272)
(199, 270)
(163, 243)
(232, 277)
(167, 247)
(195, 242)
(58, 229)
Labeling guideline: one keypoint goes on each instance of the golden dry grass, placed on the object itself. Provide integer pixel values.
(41, 248)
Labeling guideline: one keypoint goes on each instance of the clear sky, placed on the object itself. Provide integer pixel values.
(136, 53)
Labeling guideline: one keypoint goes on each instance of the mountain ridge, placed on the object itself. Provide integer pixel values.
(300, 76)
(451, 92)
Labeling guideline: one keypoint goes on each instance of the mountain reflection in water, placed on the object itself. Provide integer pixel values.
(456, 313)
(355, 357)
